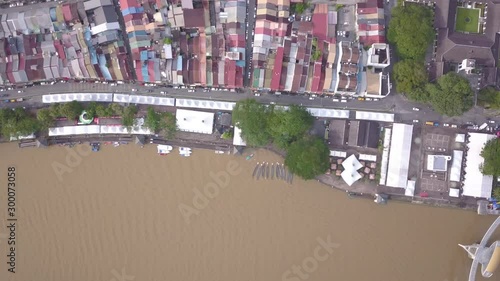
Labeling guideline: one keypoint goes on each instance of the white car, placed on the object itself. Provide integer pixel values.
(454, 126)
(311, 98)
(415, 121)
(272, 103)
(134, 90)
(257, 94)
(112, 84)
(491, 121)
(368, 99)
(416, 109)
(20, 91)
(336, 100)
(375, 99)
(446, 125)
(163, 93)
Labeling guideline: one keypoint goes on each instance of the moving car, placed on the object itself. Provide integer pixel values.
(416, 109)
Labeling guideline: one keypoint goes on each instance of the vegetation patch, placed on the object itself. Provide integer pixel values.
(467, 20)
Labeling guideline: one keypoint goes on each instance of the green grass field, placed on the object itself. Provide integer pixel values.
(467, 20)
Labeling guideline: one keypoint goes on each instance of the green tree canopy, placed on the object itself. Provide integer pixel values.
(45, 118)
(489, 98)
(163, 122)
(287, 126)
(451, 95)
(17, 122)
(308, 157)
(128, 117)
(55, 110)
(410, 77)
(91, 109)
(411, 30)
(252, 118)
(71, 110)
(491, 155)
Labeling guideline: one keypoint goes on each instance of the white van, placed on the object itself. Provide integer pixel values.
(343, 101)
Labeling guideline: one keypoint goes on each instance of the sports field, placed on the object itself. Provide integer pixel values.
(467, 20)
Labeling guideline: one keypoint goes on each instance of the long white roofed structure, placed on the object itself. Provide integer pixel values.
(456, 165)
(195, 121)
(399, 155)
(150, 100)
(328, 113)
(375, 116)
(74, 130)
(82, 97)
(237, 139)
(476, 184)
(205, 104)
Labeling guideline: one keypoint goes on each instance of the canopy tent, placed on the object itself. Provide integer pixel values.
(205, 104)
(237, 139)
(350, 177)
(336, 153)
(456, 165)
(454, 192)
(82, 97)
(328, 113)
(375, 116)
(460, 138)
(399, 155)
(476, 184)
(351, 166)
(351, 163)
(195, 121)
(410, 188)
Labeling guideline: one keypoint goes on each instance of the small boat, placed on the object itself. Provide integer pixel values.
(255, 170)
(164, 149)
(182, 149)
(259, 171)
(219, 152)
(268, 171)
(250, 156)
(272, 171)
(278, 170)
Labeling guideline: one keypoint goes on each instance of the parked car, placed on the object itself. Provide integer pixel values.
(134, 90)
(415, 121)
(361, 99)
(416, 109)
(446, 125)
(368, 99)
(491, 121)
(454, 126)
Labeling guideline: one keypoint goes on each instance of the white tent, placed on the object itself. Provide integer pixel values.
(195, 121)
(350, 177)
(476, 184)
(82, 97)
(456, 165)
(328, 113)
(460, 138)
(205, 104)
(336, 153)
(351, 163)
(237, 139)
(375, 116)
(351, 166)
(454, 192)
(399, 155)
(410, 188)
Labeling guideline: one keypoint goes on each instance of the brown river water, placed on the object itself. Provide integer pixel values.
(127, 214)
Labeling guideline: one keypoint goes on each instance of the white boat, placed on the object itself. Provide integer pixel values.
(182, 149)
(164, 149)
(219, 152)
(186, 153)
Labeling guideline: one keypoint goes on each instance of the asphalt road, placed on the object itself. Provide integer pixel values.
(251, 5)
(392, 104)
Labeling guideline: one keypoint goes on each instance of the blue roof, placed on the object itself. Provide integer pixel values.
(179, 63)
(145, 74)
(137, 33)
(132, 10)
(144, 55)
(104, 70)
(93, 54)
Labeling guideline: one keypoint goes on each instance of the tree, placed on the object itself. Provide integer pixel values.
(161, 122)
(299, 8)
(115, 109)
(55, 110)
(316, 55)
(451, 95)
(45, 118)
(489, 98)
(128, 117)
(71, 110)
(287, 126)
(17, 122)
(308, 157)
(252, 118)
(100, 110)
(91, 109)
(410, 75)
(491, 155)
(496, 193)
(411, 30)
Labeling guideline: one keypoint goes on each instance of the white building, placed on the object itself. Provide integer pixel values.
(195, 121)
(399, 155)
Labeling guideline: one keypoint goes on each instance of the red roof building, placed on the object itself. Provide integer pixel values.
(278, 64)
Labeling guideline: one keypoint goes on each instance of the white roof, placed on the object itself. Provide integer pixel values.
(460, 138)
(136, 99)
(368, 157)
(456, 165)
(119, 130)
(476, 184)
(28, 137)
(438, 163)
(351, 166)
(410, 188)
(195, 121)
(454, 192)
(350, 177)
(83, 97)
(74, 130)
(399, 155)
(335, 153)
(330, 113)
(104, 27)
(375, 116)
(385, 156)
(97, 129)
(237, 139)
(205, 104)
